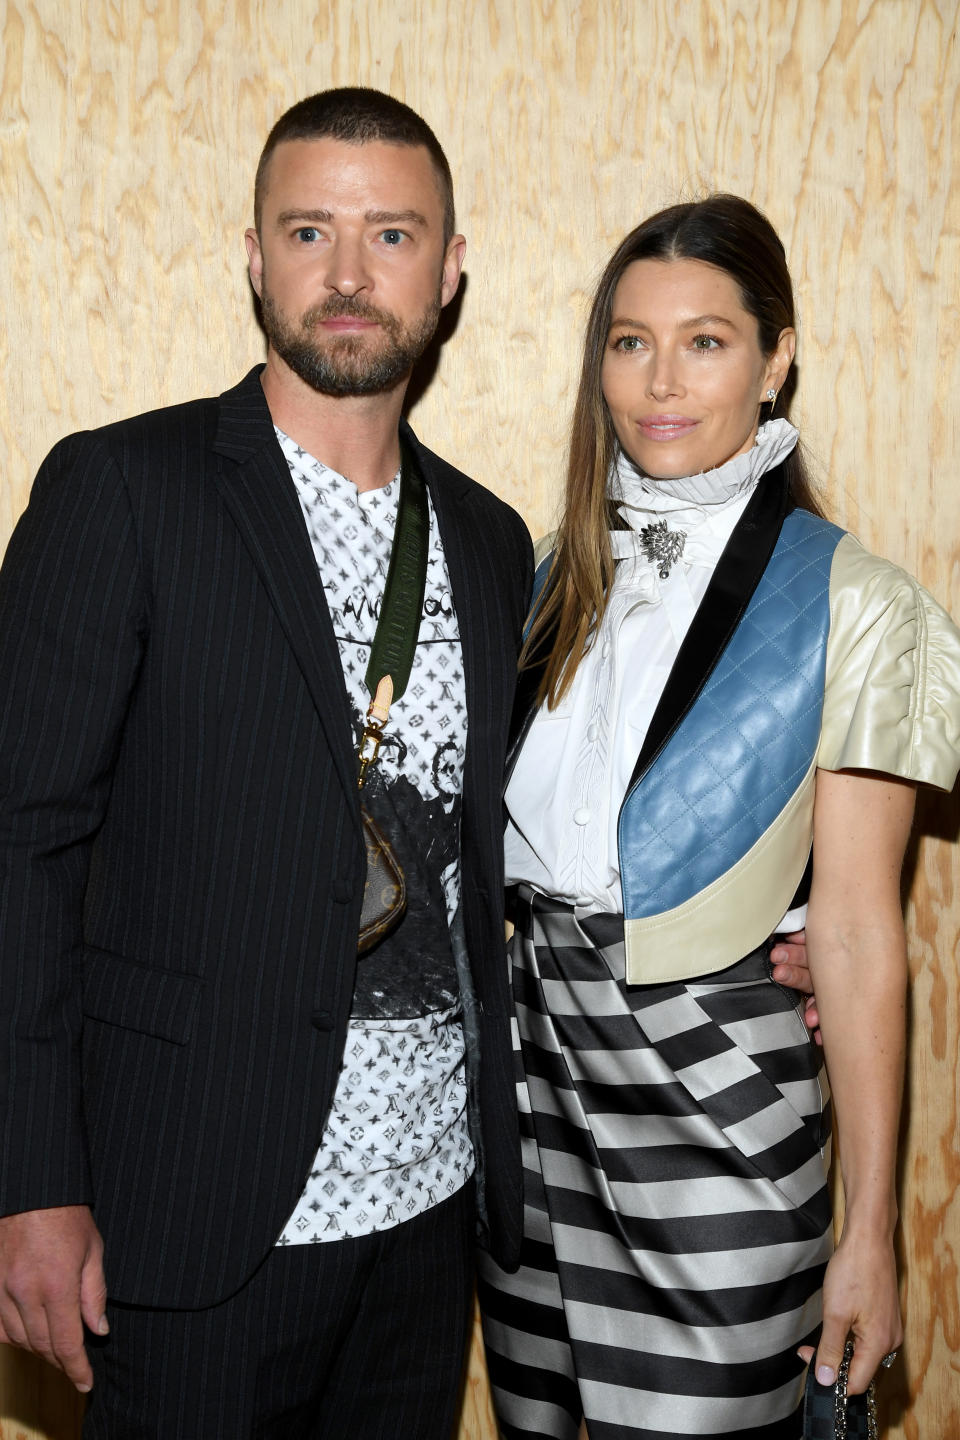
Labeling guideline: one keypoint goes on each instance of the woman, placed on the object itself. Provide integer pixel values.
(715, 677)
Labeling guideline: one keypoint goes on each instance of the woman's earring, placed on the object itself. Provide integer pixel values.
(771, 396)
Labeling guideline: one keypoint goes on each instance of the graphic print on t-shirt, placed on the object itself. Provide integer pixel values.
(396, 1139)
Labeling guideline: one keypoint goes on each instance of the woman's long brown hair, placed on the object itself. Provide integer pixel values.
(724, 231)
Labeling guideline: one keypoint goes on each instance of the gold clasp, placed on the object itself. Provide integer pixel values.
(369, 747)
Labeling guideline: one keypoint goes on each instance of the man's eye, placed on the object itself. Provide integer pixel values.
(308, 233)
(392, 237)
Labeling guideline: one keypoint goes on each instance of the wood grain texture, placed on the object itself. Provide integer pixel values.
(129, 133)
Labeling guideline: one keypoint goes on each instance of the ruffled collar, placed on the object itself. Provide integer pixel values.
(697, 496)
(697, 514)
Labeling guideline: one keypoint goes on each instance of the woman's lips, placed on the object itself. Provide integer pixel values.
(666, 427)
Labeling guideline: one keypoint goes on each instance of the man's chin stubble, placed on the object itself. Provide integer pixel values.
(340, 380)
(347, 368)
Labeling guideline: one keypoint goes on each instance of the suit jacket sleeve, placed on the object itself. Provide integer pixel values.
(72, 630)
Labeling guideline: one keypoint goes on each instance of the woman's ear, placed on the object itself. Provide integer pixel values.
(779, 363)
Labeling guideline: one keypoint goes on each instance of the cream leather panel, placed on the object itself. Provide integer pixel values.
(733, 915)
(892, 704)
(893, 674)
(542, 547)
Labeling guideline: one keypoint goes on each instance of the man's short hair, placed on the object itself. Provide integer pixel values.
(357, 115)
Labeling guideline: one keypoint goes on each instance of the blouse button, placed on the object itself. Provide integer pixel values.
(605, 650)
(581, 816)
(593, 732)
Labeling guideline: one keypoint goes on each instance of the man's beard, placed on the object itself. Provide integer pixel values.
(348, 364)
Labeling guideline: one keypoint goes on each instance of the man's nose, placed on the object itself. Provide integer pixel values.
(347, 270)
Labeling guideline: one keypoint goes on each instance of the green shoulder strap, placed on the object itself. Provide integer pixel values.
(395, 641)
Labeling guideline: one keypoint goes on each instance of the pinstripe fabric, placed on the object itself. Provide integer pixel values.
(492, 574)
(362, 1340)
(677, 1218)
(181, 865)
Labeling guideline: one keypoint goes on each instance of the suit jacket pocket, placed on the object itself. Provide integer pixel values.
(140, 997)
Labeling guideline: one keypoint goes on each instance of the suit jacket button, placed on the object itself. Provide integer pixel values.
(322, 1019)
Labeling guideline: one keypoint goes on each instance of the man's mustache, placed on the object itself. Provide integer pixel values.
(354, 306)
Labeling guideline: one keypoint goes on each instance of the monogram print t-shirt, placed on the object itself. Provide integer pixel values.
(396, 1141)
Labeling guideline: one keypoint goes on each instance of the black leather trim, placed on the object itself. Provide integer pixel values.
(737, 575)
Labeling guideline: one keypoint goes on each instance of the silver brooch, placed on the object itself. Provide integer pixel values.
(662, 546)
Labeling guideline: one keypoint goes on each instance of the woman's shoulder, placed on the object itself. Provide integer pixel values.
(893, 672)
(874, 600)
(856, 570)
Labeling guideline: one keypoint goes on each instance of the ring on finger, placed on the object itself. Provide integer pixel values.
(888, 1360)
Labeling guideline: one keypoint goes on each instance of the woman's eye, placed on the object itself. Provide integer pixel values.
(628, 342)
(706, 342)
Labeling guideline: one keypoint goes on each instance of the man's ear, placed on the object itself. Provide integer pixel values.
(452, 265)
(254, 258)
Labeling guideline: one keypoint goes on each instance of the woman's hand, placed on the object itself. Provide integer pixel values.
(860, 1300)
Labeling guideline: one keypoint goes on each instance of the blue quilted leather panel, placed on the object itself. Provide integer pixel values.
(746, 743)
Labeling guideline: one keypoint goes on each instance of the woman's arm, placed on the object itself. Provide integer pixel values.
(857, 956)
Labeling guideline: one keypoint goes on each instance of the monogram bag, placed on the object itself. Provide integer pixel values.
(391, 658)
(829, 1413)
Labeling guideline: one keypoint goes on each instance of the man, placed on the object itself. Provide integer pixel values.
(267, 1139)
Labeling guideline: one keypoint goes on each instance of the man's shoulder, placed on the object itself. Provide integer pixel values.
(146, 451)
(155, 429)
(200, 415)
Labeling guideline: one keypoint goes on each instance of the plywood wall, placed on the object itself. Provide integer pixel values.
(129, 133)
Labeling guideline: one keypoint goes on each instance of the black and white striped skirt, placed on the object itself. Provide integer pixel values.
(677, 1216)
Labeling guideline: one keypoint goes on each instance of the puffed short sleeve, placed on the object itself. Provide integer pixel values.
(892, 691)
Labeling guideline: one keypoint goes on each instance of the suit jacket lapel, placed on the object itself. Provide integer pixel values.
(262, 500)
(734, 580)
(469, 582)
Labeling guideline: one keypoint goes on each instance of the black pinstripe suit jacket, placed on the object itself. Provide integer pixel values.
(181, 865)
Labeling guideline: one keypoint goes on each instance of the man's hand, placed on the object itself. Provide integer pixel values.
(51, 1285)
(789, 960)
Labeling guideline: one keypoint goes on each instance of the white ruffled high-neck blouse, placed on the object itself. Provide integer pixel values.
(571, 776)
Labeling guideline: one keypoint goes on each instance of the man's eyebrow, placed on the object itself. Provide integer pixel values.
(395, 217)
(372, 217)
(305, 217)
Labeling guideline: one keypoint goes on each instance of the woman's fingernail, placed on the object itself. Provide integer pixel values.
(825, 1375)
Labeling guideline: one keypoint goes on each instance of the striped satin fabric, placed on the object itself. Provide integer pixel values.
(677, 1219)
